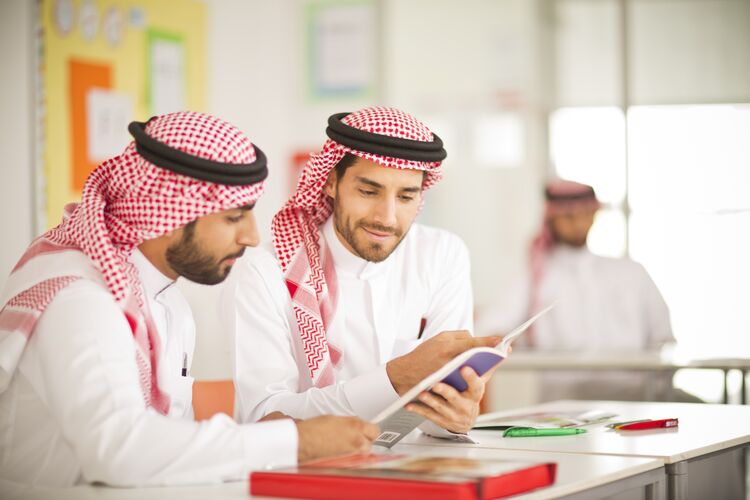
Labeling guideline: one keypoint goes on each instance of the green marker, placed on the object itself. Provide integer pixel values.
(530, 432)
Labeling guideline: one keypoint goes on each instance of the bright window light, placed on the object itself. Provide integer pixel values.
(690, 224)
(607, 236)
(588, 145)
(689, 158)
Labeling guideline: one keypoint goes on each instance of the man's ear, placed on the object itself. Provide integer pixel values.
(329, 187)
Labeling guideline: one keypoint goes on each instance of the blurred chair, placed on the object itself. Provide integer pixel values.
(211, 397)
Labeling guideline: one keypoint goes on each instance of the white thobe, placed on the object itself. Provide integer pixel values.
(603, 305)
(74, 411)
(380, 312)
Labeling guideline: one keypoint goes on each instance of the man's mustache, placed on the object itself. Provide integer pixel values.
(234, 255)
(382, 229)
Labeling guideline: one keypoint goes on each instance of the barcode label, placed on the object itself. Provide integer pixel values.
(388, 437)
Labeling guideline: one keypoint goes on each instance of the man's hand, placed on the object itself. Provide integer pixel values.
(450, 409)
(329, 436)
(276, 415)
(406, 371)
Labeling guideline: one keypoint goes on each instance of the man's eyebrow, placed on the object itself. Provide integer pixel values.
(369, 182)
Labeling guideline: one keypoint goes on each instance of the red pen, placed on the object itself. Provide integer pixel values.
(649, 424)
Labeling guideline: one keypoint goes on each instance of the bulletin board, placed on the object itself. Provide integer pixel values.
(102, 64)
(342, 45)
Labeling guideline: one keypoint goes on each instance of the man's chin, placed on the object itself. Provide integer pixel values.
(210, 279)
(575, 244)
(375, 253)
(224, 272)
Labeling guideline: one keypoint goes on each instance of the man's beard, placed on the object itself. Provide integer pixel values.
(574, 243)
(570, 242)
(369, 251)
(187, 259)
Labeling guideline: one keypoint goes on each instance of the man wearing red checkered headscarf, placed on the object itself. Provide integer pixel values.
(355, 303)
(96, 342)
(603, 304)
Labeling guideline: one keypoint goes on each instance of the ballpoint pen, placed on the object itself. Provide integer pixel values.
(531, 431)
(648, 424)
(615, 425)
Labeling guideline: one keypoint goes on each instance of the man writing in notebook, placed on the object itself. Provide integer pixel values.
(96, 342)
(355, 303)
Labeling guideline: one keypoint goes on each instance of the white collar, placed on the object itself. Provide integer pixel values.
(566, 255)
(567, 251)
(152, 280)
(345, 261)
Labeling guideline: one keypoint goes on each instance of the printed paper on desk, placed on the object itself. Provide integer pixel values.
(543, 420)
(396, 422)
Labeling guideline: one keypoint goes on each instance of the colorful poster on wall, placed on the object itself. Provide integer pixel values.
(104, 63)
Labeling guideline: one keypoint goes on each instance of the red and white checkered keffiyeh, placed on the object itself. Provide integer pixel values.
(571, 196)
(125, 201)
(304, 258)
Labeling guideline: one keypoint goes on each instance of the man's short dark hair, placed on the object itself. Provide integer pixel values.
(189, 230)
(348, 161)
(343, 164)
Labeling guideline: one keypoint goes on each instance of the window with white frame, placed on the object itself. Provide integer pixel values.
(688, 189)
(653, 110)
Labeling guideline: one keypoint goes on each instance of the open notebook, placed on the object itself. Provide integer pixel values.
(396, 422)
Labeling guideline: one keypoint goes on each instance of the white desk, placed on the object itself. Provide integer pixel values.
(709, 442)
(229, 491)
(579, 477)
(648, 362)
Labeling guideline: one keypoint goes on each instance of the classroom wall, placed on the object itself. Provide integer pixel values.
(16, 131)
(680, 51)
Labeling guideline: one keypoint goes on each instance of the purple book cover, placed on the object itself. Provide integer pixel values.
(481, 362)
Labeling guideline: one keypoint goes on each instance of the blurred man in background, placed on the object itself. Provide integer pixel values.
(604, 305)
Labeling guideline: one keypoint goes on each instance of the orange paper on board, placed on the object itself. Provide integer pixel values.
(83, 77)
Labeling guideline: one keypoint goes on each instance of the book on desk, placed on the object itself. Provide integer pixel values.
(377, 476)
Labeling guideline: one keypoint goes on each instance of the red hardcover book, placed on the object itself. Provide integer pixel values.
(375, 477)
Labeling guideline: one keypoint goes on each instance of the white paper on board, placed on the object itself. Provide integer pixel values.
(108, 114)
